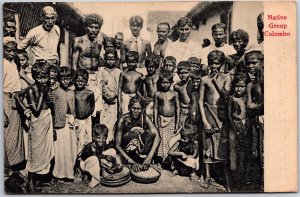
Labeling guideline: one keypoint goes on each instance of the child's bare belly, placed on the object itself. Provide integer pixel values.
(167, 111)
(83, 112)
(130, 89)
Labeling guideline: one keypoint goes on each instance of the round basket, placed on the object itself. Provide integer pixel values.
(118, 179)
(149, 176)
(116, 183)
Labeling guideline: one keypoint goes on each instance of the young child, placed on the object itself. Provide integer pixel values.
(53, 77)
(150, 83)
(13, 133)
(239, 39)
(85, 104)
(25, 68)
(195, 63)
(185, 153)
(166, 111)
(109, 76)
(194, 118)
(109, 44)
(214, 91)
(40, 135)
(183, 70)
(65, 147)
(130, 82)
(239, 138)
(254, 61)
(98, 156)
(170, 64)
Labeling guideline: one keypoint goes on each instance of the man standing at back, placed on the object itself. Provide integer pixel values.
(44, 39)
(163, 31)
(136, 42)
(86, 55)
(219, 36)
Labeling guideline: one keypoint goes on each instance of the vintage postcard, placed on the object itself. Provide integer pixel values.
(150, 97)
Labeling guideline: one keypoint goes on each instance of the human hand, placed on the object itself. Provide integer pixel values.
(22, 73)
(147, 161)
(184, 156)
(207, 127)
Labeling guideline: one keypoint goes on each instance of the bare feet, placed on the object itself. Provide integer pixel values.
(174, 173)
(194, 177)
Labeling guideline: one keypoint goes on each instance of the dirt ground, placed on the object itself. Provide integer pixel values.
(165, 184)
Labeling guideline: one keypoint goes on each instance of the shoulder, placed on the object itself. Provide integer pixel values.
(34, 31)
(205, 79)
(56, 29)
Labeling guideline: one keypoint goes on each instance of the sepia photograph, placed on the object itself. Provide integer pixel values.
(133, 97)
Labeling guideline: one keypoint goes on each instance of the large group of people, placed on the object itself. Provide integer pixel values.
(182, 107)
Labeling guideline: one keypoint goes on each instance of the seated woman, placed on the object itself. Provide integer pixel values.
(136, 137)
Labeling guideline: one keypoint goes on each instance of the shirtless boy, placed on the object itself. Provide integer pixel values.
(183, 70)
(170, 64)
(150, 82)
(254, 60)
(129, 83)
(85, 104)
(214, 89)
(166, 111)
(40, 149)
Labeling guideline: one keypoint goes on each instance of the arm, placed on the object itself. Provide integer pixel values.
(92, 102)
(123, 53)
(118, 140)
(18, 96)
(75, 55)
(173, 152)
(230, 112)
(120, 94)
(156, 109)
(156, 140)
(25, 43)
(207, 126)
(177, 105)
(250, 103)
(196, 149)
(25, 78)
(221, 90)
(35, 107)
(140, 88)
(148, 48)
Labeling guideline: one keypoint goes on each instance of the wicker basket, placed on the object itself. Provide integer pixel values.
(140, 178)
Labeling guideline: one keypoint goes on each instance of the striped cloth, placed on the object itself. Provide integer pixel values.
(166, 129)
(40, 147)
(13, 134)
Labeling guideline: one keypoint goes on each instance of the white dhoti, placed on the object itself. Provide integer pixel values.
(125, 101)
(65, 150)
(83, 132)
(108, 117)
(96, 87)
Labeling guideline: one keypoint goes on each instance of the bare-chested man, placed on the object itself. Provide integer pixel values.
(86, 49)
(214, 89)
(86, 54)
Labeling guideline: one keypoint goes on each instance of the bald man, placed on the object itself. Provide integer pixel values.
(43, 40)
